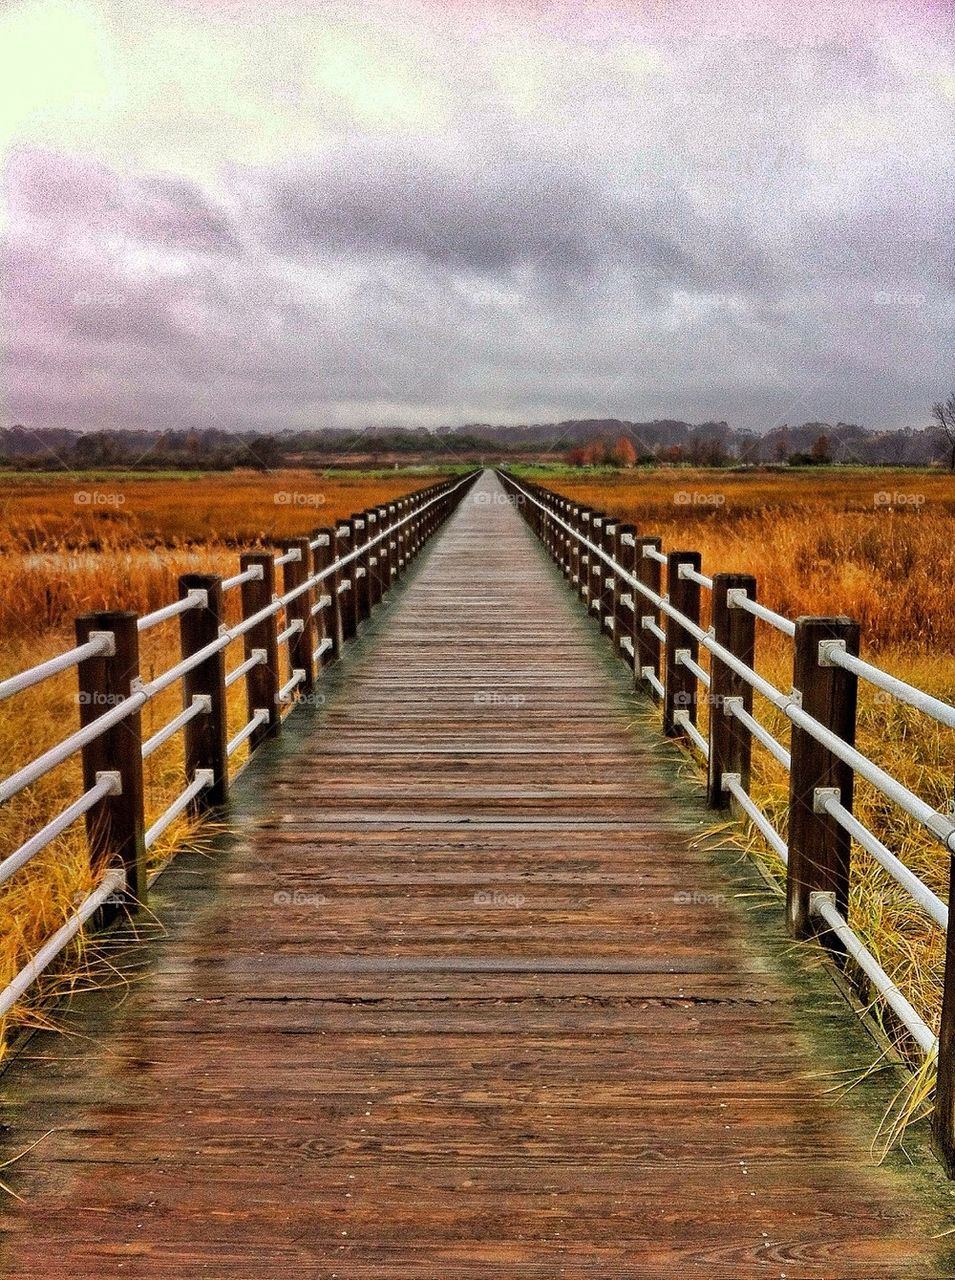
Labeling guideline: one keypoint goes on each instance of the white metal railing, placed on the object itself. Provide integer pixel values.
(99, 643)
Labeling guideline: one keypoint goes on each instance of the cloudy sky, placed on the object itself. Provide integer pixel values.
(301, 214)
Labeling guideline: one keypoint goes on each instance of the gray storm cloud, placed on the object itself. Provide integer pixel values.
(762, 239)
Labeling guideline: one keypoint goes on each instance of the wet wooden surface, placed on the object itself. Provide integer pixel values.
(463, 998)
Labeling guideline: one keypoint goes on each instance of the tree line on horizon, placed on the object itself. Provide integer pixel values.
(580, 442)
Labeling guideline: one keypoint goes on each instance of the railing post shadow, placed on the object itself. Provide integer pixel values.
(729, 740)
(262, 682)
(116, 825)
(205, 738)
(680, 685)
(819, 847)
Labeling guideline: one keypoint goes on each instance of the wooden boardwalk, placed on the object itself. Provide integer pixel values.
(462, 998)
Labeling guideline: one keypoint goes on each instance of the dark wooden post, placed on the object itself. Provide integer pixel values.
(566, 542)
(680, 683)
(262, 681)
(299, 610)
(819, 848)
(943, 1117)
(584, 558)
(206, 736)
(412, 527)
(401, 539)
(359, 568)
(328, 622)
(626, 619)
(115, 826)
(730, 741)
(595, 579)
(345, 596)
(373, 558)
(388, 517)
(648, 570)
(382, 571)
(610, 581)
(575, 522)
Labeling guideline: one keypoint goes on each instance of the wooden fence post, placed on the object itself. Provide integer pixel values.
(943, 1116)
(566, 542)
(584, 558)
(730, 741)
(382, 551)
(819, 848)
(372, 559)
(359, 569)
(205, 737)
(262, 681)
(610, 582)
(595, 579)
(299, 610)
(328, 622)
(626, 619)
(116, 825)
(648, 571)
(345, 596)
(401, 537)
(680, 685)
(392, 545)
(573, 519)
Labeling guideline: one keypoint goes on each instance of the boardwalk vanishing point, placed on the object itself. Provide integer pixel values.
(466, 992)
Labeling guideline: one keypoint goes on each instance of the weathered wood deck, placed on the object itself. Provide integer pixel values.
(461, 999)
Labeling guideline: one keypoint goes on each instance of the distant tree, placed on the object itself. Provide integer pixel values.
(623, 454)
(708, 453)
(98, 449)
(821, 450)
(943, 414)
(576, 457)
(262, 453)
(673, 453)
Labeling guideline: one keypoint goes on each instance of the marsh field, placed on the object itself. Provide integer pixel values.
(879, 546)
(875, 544)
